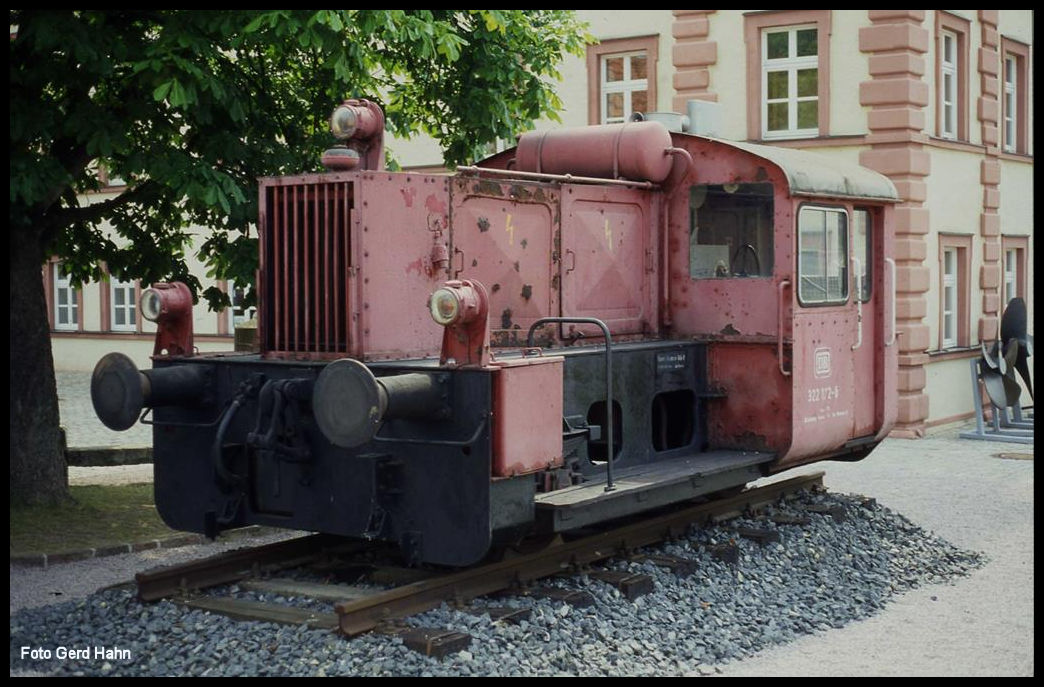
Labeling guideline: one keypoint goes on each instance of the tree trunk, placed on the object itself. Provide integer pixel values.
(39, 473)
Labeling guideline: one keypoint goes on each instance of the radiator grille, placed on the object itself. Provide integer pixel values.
(305, 260)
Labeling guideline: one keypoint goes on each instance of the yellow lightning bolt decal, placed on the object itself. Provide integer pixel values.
(510, 229)
(608, 235)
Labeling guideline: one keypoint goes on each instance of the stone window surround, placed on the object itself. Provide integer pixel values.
(1020, 244)
(945, 21)
(648, 44)
(1020, 51)
(963, 245)
(50, 275)
(105, 288)
(753, 24)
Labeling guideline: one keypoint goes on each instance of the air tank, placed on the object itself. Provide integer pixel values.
(634, 150)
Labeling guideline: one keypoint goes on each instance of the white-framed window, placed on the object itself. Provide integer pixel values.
(1011, 276)
(948, 83)
(66, 302)
(949, 297)
(237, 314)
(790, 82)
(123, 306)
(822, 256)
(1010, 103)
(624, 85)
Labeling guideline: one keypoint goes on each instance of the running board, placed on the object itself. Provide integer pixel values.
(644, 487)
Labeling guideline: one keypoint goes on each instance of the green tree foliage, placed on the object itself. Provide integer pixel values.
(190, 107)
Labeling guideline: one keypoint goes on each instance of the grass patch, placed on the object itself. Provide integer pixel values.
(98, 515)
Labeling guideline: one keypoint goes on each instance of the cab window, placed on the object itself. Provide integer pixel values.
(822, 256)
(862, 250)
(730, 231)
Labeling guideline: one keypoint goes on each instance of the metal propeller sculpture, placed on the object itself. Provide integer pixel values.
(1003, 358)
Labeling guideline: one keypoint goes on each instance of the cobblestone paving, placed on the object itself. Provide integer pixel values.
(82, 426)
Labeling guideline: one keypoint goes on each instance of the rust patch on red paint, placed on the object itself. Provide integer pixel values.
(505, 319)
(494, 288)
(516, 338)
(527, 291)
(524, 243)
(729, 329)
(487, 188)
(483, 224)
(435, 204)
(417, 265)
(516, 266)
(753, 442)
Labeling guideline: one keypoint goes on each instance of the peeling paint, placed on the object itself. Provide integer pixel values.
(753, 442)
(435, 204)
(516, 266)
(487, 188)
(505, 319)
(494, 288)
(483, 224)
(729, 329)
(417, 265)
(524, 243)
(527, 291)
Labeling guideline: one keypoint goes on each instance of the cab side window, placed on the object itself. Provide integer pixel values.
(862, 250)
(730, 231)
(822, 256)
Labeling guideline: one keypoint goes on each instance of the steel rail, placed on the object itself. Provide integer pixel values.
(362, 615)
(229, 566)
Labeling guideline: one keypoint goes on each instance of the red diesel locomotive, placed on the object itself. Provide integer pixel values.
(598, 322)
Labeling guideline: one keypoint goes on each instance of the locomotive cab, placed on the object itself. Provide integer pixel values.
(783, 267)
(596, 323)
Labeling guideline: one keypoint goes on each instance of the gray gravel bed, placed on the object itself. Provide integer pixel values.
(819, 577)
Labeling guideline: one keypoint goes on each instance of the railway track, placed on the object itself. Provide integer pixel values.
(358, 609)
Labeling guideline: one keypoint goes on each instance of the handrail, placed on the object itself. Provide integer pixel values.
(567, 178)
(859, 303)
(608, 380)
(891, 263)
(779, 321)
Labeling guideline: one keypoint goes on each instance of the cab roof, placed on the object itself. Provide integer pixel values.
(812, 174)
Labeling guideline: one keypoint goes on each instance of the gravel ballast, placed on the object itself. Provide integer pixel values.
(818, 576)
(789, 598)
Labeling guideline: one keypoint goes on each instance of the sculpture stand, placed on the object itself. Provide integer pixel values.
(1018, 430)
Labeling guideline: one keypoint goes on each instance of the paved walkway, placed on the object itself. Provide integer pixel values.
(83, 429)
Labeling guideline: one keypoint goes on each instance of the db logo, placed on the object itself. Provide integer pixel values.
(822, 361)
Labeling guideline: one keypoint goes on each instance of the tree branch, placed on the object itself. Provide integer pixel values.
(59, 219)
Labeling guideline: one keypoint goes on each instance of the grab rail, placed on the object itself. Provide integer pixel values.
(891, 264)
(779, 321)
(608, 380)
(859, 303)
